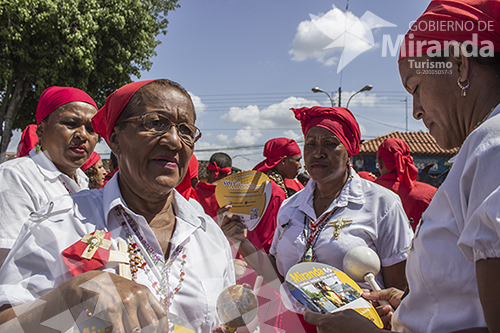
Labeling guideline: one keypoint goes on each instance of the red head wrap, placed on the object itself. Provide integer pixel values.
(53, 97)
(367, 175)
(395, 154)
(445, 21)
(339, 121)
(29, 139)
(275, 150)
(93, 159)
(212, 166)
(104, 120)
(185, 188)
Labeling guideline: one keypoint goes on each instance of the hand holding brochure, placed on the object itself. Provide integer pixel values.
(249, 194)
(323, 288)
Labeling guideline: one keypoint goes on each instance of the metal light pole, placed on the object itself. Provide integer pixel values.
(319, 90)
(406, 111)
(368, 87)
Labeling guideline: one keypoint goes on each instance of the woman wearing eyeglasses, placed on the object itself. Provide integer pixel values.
(176, 260)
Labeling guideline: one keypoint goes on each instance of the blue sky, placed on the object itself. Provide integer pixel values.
(247, 62)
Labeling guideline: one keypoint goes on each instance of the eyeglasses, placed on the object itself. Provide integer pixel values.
(159, 123)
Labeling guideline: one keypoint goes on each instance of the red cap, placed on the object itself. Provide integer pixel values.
(275, 150)
(338, 120)
(395, 154)
(93, 159)
(53, 97)
(104, 120)
(445, 21)
(29, 139)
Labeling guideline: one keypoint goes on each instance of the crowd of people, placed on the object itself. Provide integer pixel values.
(145, 238)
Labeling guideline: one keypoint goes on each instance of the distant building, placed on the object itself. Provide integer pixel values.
(423, 149)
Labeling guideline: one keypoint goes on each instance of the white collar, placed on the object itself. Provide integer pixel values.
(351, 192)
(188, 220)
(48, 169)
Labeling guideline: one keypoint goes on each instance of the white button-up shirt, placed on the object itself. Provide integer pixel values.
(377, 220)
(26, 185)
(35, 265)
(460, 226)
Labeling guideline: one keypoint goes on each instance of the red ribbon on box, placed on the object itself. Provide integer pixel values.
(89, 253)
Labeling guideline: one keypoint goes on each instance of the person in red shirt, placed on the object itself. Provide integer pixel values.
(399, 174)
(282, 162)
(219, 167)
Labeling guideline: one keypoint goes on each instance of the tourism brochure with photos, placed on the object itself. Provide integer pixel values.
(249, 194)
(323, 288)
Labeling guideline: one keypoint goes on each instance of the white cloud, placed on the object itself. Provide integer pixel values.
(199, 106)
(323, 35)
(291, 134)
(274, 116)
(246, 136)
(222, 138)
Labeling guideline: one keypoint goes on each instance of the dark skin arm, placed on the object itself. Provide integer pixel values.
(126, 305)
(263, 263)
(487, 272)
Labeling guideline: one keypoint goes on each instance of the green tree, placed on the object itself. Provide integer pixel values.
(94, 45)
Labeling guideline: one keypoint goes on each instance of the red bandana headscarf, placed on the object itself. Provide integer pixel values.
(29, 139)
(275, 150)
(185, 188)
(212, 166)
(104, 120)
(338, 120)
(395, 154)
(93, 159)
(53, 97)
(445, 21)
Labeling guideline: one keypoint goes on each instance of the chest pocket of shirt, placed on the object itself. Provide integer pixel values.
(211, 290)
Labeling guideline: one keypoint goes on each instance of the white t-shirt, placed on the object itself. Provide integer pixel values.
(35, 265)
(460, 226)
(378, 221)
(26, 185)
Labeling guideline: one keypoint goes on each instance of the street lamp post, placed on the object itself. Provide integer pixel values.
(368, 87)
(319, 90)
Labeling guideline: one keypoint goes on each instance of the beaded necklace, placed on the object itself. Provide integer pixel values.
(163, 289)
(278, 179)
(313, 230)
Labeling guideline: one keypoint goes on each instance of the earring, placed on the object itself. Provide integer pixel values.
(464, 88)
(116, 150)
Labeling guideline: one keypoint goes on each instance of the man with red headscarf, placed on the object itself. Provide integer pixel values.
(399, 174)
(218, 168)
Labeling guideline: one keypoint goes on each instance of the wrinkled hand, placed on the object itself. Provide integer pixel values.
(341, 321)
(392, 295)
(231, 225)
(128, 306)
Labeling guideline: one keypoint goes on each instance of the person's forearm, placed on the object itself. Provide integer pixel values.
(30, 315)
(263, 263)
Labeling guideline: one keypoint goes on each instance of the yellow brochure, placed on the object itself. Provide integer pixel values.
(248, 192)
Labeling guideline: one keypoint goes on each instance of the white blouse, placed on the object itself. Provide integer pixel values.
(375, 218)
(460, 226)
(26, 185)
(35, 265)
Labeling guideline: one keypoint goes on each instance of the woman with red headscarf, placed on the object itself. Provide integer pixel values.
(282, 162)
(94, 169)
(398, 173)
(454, 259)
(336, 211)
(125, 254)
(66, 140)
